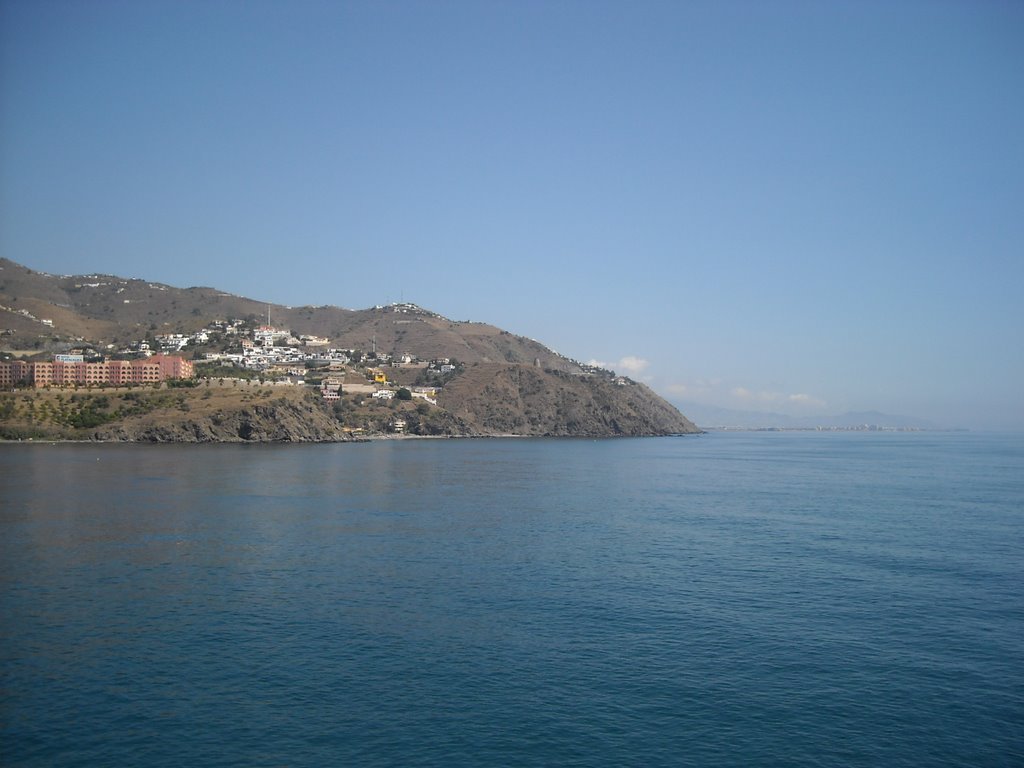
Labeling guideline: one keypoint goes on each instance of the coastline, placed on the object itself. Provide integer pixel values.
(360, 439)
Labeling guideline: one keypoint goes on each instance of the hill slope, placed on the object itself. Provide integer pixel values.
(105, 309)
(501, 398)
(224, 413)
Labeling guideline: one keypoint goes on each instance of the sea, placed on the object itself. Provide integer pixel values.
(727, 599)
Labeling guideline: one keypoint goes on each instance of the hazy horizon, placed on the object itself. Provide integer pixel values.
(797, 208)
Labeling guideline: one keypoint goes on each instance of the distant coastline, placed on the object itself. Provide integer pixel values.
(871, 429)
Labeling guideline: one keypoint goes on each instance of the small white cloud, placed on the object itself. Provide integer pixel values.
(765, 397)
(629, 364)
(715, 391)
(803, 399)
(633, 364)
(697, 388)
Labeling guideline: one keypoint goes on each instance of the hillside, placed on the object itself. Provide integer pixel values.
(504, 384)
(215, 413)
(103, 310)
(499, 398)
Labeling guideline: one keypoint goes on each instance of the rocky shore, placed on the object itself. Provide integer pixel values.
(489, 400)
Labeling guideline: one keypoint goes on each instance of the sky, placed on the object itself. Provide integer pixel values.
(797, 207)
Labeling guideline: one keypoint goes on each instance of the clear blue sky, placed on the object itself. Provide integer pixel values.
(788, 206)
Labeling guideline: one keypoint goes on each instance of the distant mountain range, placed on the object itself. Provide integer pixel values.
(711, 417)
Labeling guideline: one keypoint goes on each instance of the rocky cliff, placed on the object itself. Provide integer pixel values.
(486, 399)
(496, 398)
(217, 414)
(278, 421)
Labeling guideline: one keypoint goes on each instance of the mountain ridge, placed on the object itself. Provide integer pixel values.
(107, 309)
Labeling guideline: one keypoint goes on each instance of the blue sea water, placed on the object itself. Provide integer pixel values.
(762, 599)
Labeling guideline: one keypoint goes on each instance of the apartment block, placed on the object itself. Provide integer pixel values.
(60, 373)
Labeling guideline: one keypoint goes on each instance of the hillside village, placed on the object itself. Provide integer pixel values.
(239, 349)
(236, 347)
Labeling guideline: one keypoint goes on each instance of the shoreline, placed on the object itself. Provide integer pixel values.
(363, 439)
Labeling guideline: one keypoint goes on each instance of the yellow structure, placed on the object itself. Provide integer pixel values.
(379, 377)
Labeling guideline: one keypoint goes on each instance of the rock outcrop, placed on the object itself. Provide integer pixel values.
(275, 422)
(510, 399)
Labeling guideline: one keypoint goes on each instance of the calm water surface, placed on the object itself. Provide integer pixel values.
(730, 599)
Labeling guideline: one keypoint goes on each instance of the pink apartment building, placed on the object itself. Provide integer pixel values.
(64, 374)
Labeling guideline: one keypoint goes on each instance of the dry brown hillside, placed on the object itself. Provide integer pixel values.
(501, 398)
(103, 309)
